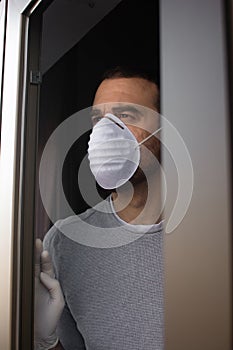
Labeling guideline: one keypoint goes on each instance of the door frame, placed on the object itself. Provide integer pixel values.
(17, 172)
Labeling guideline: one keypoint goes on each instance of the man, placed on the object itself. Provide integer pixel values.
(113, 293)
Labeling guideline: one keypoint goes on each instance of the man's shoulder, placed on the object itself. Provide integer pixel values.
(93, 213)
(70, 225)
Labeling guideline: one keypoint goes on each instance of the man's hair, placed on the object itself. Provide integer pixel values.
(132, 72)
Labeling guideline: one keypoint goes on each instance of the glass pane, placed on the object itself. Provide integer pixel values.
(99, 203)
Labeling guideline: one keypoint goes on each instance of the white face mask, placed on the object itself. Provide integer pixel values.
(113, 152)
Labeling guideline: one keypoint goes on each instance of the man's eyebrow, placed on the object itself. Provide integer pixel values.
(128, 108)
(95, 111)
(117, 109)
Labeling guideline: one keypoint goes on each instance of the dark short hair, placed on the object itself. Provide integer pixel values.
(132, 72)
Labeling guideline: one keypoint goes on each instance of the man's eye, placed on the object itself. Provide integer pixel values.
(96, 119)
(125, 116)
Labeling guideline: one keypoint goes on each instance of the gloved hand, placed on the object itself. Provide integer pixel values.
(49, 301)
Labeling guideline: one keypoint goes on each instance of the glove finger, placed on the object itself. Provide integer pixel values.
(38, 251)
(53, 287)
(46, 264)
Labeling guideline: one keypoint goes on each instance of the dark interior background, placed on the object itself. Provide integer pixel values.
(128, 35)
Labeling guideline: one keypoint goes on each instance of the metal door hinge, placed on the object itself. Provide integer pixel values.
(35, 77)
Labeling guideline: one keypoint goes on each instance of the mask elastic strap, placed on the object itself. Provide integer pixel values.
(148, 137)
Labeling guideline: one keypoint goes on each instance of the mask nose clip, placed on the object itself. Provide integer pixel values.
(108, 117)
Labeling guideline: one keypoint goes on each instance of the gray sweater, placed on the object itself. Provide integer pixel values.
(114, 290)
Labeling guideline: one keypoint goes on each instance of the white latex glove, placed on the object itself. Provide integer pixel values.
(49, 301)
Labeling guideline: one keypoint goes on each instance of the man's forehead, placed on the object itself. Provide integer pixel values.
(128, 90)
(114, 104)
(109, 104)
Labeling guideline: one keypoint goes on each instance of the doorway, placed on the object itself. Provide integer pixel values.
(124, 33)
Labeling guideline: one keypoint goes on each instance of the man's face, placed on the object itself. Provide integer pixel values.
(133, 100)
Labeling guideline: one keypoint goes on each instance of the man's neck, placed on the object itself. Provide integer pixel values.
(136, 205)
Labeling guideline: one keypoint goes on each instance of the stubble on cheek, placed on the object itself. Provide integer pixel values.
(149, 161)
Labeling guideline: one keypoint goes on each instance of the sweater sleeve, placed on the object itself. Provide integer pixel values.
(70, 337)
(67, 331)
